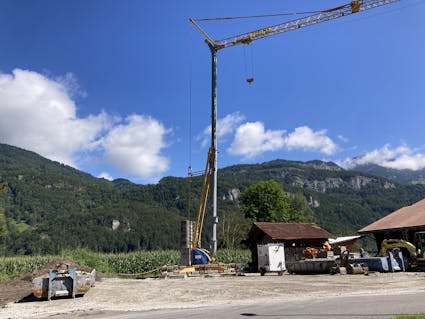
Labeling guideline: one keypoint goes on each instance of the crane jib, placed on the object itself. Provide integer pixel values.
(326, 15)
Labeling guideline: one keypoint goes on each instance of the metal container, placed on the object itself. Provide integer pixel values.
(63, 282)
(271, 258)
(311, 266)
(390, 263)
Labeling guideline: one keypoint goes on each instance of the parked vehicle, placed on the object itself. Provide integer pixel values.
(413, 252)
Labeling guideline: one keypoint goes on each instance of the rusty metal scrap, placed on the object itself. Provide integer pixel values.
(63, 282)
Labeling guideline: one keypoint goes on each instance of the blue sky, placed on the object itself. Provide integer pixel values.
(122, 88)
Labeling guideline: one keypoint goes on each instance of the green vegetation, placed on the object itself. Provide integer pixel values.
(146, 263)
(140, 262)
(240, 256)
(402, 176)
(299, 210)
(418, 316)
(47, 208)
(265, 202)
(14, 266)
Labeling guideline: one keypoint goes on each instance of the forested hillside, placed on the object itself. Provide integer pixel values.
(49, 206)
(403, 176)
(46, 206)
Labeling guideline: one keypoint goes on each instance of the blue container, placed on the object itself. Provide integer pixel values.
(200, 257)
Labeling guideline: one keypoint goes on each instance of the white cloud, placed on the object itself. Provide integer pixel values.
(71, 83)
(37, 113)
(342, 138)
(305, 138)
(401, 157)
(251, 140)
(134, 147)
(106, 176)
(225, 126)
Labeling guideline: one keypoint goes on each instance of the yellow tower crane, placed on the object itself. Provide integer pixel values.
(353, 7)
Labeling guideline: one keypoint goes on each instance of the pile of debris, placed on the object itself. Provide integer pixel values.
(212, 269)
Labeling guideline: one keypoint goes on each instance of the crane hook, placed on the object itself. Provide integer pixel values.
(250, 80)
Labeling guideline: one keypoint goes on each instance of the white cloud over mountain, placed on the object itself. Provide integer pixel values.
(401, 157)
(225, 126)
(252, 139)
(37, 113)
(305, 138)
(135, 146)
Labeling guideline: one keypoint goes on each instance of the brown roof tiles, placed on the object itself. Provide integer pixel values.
(409, 216)
(293, 231)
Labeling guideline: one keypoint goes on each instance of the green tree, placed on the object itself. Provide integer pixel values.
(299, 210)
(3, 226)
(4, 232)
(232, 229)
(265, 202)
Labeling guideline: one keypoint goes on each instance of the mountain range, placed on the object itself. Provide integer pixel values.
(46, 206)
(403, 176)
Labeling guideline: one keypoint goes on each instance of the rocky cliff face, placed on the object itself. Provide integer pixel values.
(232, 194)
(320, 177)
(322, 186)
(329, 166)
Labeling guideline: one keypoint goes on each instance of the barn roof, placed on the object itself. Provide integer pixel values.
(290, 231)
(406, 217)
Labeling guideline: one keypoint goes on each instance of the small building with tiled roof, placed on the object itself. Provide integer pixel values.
(401, 224)
(295, 237)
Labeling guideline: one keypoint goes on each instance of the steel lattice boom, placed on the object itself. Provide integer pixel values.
(326, 15)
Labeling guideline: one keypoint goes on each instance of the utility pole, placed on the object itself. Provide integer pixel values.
(214, 146)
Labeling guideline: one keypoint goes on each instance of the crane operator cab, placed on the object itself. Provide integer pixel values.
(420, 244)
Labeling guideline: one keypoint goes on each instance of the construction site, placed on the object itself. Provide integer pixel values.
(291, 262)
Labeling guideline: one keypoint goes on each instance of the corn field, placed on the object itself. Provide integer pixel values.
(140, 262)
(113, 264)
(239, 256)
(15, 266)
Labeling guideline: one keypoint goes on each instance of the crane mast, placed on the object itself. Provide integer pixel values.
(353, 7)
(205, 190)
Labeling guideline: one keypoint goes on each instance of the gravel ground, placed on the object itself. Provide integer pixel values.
(112, 294)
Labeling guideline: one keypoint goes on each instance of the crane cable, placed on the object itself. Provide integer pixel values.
(291, 13)
(272, 15)
(249, 69)
(189, 169)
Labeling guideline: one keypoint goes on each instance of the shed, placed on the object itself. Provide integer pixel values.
(346, 241)
(401, 224)
(295, 236)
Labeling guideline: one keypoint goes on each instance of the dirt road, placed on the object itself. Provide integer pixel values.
(111, 295)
